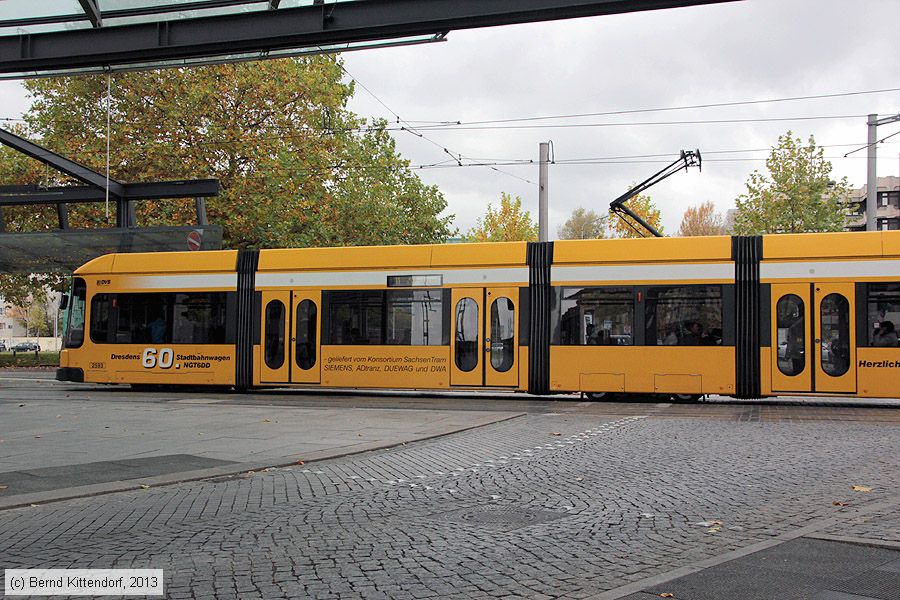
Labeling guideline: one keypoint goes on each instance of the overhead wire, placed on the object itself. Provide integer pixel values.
(675, 108)
(415, 130)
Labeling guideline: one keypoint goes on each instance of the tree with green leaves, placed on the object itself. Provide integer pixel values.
(296, 167)
(796, 195)
(508, 223)
(583, 224)
(643, 206)
(701, 220)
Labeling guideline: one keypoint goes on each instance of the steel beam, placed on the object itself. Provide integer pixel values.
(92, 11)
(286, 28)
(30, 195)
(60, 163)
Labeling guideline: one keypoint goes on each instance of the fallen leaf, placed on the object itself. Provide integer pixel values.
(666, 595)
(556, 433)
(861, 488)
(34, 505)
(266, 421)
(836, 503)
(37, 436)
(144, 486)
(579, 479)
(21, 405)
(299, 462)
(3, 487)
(714, 530)
(709, 523)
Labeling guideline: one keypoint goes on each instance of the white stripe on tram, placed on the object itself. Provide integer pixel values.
(845, 269)
(184, 282)
(357, 278)
(704, 271)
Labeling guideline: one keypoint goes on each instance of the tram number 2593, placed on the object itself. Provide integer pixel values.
(162, 358)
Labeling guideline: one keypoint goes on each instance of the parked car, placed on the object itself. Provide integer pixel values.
(26, 347)
(2, 347)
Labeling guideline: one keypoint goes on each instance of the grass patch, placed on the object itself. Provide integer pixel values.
(28, 359)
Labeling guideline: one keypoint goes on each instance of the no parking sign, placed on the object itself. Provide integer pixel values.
(194, 240)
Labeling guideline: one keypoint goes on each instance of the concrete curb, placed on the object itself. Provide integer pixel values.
(85, 491)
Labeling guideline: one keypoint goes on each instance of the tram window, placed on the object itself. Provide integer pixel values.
(687, 315)
(75, 324)
(306, 334)
(602, 316)
(791, 323)
(274, 334)
(160, 318)
(355, 317)
(884, 314)
(100, 309)
(466, 355)
(835, 342)
(415, 318)
(503, 334)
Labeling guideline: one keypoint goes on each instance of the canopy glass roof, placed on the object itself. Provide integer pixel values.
(28, 16)
(18, 17)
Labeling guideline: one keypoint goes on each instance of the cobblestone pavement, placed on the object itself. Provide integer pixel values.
(542, 506)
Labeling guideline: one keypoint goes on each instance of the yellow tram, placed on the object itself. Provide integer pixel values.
(737, 316)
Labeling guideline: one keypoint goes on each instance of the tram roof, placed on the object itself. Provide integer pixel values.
(690, 249)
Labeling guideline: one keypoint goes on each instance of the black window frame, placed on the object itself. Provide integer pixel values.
(360, 300)
(631, 293)
(79, 291)
(306, 338)
(864, 302)
(278, 346)
(649, 297)
(167, 302)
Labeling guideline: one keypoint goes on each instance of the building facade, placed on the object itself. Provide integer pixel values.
(888, 209)
(10, 324)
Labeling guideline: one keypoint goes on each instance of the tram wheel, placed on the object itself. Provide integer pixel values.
(598, 396)
(686, 397)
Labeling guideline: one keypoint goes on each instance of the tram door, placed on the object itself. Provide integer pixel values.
(483, 345)
(305, 336)
(813, 338)
(274, 361)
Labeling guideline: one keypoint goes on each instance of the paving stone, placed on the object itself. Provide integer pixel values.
(483, 513)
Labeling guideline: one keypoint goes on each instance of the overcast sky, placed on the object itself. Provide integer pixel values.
(741, 51)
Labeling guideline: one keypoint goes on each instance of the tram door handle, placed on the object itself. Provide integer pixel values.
(487, 344)
(818, 341)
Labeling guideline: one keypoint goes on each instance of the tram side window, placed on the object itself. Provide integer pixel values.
(274, 339)
(687, 315)
(884, 314)
(75, 324)
(305, 351)
(160, 318)
(100, 307)
(467, 348)
(415, 318)
(355, 317)
(595, 316)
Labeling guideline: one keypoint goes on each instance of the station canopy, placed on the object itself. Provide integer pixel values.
(65, 37)
(64, 251)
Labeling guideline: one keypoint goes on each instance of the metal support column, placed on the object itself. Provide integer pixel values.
(200, 204)
(62, 211)
(872, 178)
(543, 227)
